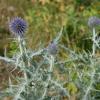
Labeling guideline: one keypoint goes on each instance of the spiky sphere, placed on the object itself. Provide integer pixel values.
(18, 26)
(93, 21)
(52, 48)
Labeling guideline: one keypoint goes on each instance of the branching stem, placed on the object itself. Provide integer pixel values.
(51, 61)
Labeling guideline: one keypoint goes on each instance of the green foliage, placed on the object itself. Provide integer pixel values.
(46, 17)
(13, 49)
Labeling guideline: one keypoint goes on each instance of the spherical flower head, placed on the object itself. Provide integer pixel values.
(52, 48)
(18, 26)
(93, 21)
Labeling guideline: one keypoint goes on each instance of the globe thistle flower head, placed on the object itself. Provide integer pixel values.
(93, 21)
(52, 48)
(18, 26)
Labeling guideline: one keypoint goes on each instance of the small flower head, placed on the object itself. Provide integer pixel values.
(18, 26)
(93, 21)
(52, 48)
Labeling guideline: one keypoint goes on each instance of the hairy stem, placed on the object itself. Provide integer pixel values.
(51, 61)
(93, 39)
(22, 51)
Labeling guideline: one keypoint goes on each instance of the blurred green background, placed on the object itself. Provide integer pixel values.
(45, 19)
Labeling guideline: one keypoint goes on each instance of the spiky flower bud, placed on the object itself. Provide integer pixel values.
(52, 48)
(18, 26)
(93, 21)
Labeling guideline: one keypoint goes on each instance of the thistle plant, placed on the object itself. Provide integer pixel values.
(18, 26)
(92, 23)
(48, 76)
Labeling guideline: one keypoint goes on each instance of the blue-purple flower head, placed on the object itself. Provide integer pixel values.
(18, 26)
(93, 21)
(52, 48)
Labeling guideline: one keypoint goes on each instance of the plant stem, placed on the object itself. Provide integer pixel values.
(94, 46)
(91, 82)
(22, 53)
(51, 61)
